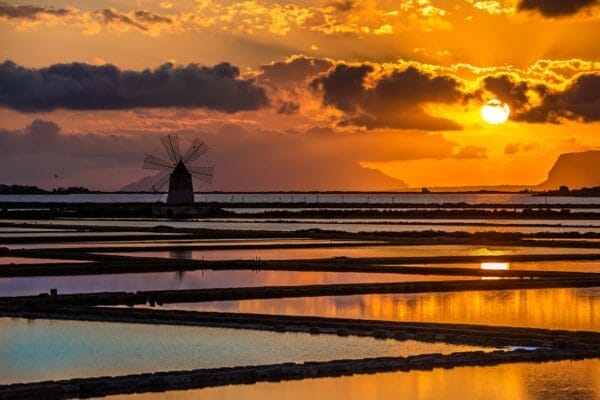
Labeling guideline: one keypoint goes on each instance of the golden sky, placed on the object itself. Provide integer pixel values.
(361, 95)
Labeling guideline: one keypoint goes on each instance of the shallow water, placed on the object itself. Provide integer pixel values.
(36, 350)
(69, 234)
(180, 243)
(572, 309)
(345, 225)
(25, 260)
(324, 198)
(358, 252)
(564, 380)
(560, 266)
(23, 286)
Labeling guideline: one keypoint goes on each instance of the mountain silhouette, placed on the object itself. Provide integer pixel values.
(575, 170)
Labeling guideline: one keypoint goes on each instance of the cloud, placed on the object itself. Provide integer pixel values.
(252, 17)
(508, 89)
(471, 152)
(288, 108)
(512, 148)
(579, 100)
(533, 100)
(91, 22)
(395, 99)
(110, 16)
(80, 86)
(556, 8)
(293, 71)
(343, 87)
(14, 11)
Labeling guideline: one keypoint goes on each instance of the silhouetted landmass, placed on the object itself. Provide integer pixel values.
(575, 171)
(71, 190)
(565, 191)
(19, 189)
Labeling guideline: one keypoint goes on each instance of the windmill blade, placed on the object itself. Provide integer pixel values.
(157, 163)
(160, 184)
(171, 145)
(203, 174)
(197, 148)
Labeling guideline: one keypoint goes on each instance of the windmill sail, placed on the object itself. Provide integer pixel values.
(157, 187)
(171, 145)
(157, 163)
(203, 174)
(197, 148)
(180, 172)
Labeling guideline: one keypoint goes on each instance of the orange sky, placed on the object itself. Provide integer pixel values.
(338, 94)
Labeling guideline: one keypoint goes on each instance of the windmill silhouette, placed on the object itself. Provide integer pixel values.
(179, 169)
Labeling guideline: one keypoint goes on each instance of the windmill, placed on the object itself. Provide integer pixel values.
(179, 169)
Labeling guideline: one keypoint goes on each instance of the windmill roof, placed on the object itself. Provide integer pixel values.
(180, 168)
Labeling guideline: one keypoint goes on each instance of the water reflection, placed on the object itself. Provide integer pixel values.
(25, 260)
(563, 380)
(194, 280)
(574, 309)
(496, 266)
(361, 251)
(42, 349)
(569, 266)
(181, 254)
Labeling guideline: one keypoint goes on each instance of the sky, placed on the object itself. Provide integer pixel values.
(310, 95)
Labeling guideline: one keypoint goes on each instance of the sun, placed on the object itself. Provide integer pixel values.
(495, 112)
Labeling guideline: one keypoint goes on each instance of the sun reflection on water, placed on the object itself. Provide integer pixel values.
(495, 266)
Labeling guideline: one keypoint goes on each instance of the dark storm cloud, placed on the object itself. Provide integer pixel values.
(395, 100)
(556, 8)
(580, 101)
(80, 86)
(13, 11)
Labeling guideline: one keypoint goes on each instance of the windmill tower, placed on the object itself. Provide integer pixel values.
(180, 170)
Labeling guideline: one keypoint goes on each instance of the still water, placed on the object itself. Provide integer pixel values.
(572, 309)
(559, 266)
(23, 286)
(324, 198)
(26, 260)
(44, 350)
(181, 243)
(344, 225)
(564, 380)
(357, 252)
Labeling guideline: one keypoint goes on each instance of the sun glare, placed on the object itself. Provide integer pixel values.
(498, 266)
(495, 112)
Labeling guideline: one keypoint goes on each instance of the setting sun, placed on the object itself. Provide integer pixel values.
(495, 112)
